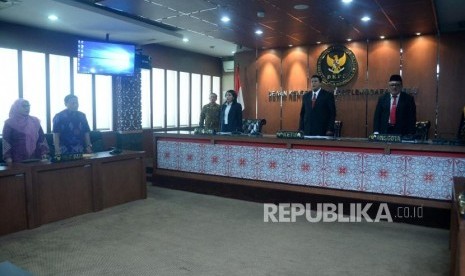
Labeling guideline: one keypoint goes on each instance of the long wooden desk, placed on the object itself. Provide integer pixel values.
(415, 174)
(457, 231)
(44, 192)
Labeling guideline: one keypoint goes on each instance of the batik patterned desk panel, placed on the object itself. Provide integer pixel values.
(425, 176)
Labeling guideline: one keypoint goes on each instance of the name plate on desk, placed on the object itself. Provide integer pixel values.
(204, 131)
(290, 134)
(385, 138)
(461, 201)
(67, 157)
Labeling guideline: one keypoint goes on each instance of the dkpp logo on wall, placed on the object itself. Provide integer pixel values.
(337, 65)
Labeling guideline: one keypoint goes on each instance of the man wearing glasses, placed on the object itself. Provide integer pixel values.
(396, 111)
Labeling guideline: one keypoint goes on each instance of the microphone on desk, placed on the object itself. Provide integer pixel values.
(115, 151)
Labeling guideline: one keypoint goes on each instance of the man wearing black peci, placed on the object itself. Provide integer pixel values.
(396, 111)
(318, 110)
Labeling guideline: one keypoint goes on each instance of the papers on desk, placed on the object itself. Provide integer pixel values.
(30, 160)
(318, 137)
(230, 133)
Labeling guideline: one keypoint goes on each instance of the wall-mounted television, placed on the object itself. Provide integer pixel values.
(105, 58)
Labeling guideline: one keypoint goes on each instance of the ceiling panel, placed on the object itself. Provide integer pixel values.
(328, 21)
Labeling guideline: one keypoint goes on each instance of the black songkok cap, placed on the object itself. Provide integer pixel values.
(395, 78)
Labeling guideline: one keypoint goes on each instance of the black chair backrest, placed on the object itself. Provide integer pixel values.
(250, 126)
(422, 129)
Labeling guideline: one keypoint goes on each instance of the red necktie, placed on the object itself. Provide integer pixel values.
(313, 99)
(392, 115)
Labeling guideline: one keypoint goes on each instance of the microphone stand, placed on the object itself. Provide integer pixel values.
(281, 94)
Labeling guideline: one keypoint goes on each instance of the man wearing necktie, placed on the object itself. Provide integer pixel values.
(396, 111)
(318, 110)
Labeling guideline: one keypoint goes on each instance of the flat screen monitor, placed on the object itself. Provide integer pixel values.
(105, 58)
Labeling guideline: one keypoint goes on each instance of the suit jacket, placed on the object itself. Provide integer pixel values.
(317, 120)
(461, 132)
(234, 118)
(405, 114)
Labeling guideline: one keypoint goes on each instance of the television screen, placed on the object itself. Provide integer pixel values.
(105, 58)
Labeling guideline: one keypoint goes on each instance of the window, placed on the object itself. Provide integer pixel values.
(158, 105)
(206, 89)
(171, 98)
(184, 99)
(9, 91)
(103, 102)
(83, 90)
(34, 89)
(60, 83)
(196, 99)
(217, 87)
(145, 98)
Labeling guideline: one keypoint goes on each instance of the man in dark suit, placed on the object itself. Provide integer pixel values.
(318, 110)
(461, 132)
(396, 111)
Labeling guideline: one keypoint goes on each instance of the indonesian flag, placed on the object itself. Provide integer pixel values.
(238, 87)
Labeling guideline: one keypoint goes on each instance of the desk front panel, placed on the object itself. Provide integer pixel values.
(361, 167)
(122, 181)
(13, 214)
(62, 192)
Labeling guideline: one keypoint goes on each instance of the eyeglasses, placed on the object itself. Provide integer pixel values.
(395, 84)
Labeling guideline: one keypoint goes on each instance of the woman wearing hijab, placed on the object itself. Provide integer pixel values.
(23, 137)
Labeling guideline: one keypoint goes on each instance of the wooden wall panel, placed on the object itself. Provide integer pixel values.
(294, 76)
(269, 79)
(248, 72)
(451, 98)
(383, 61)
(38, 40)
(360, 51)
(176, 59)
(351, 110)
(313, 54)
(419, 71)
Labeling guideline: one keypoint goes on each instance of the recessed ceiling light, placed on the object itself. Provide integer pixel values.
(366, 18)
(382, 37)
(318, 42)
(418, 33)
(225, 19)
(349, 39)
(290, 45)
(52, 17)
(185, 39)
(346, 1)
(259, 32)
(301, 7)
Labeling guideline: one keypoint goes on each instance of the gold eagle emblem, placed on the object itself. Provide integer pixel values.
(336, 63)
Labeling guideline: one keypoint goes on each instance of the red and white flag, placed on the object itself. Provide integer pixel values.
(238, 87)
